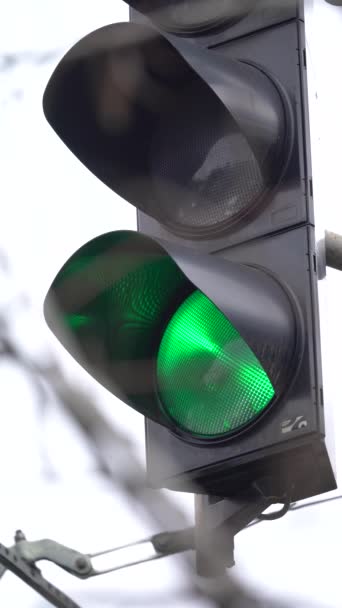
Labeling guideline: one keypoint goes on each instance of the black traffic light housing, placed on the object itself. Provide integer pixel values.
(206, 133)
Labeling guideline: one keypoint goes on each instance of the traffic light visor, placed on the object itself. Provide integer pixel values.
(193, 16)
(189, 136)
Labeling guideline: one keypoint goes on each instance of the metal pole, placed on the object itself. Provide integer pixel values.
(333, 250)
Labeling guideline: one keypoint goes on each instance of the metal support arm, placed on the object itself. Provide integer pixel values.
(333, 250)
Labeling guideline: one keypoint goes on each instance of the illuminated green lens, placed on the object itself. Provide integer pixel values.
(210, 382)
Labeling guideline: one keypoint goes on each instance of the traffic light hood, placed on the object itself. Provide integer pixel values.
(158, 325)
(189, 136)
(193, 16)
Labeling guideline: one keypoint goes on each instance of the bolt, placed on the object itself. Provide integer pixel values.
(81, 563)
(19, 536)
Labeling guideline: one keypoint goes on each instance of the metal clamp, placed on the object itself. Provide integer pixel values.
(22, 557)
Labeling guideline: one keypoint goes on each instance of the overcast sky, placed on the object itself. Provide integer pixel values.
(50, 206)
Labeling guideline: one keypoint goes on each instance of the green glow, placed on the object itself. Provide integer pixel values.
(77, 321)
(107, 306)
(210, 382)
(117, 302)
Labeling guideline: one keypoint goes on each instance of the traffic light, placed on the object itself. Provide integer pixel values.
(206, 319)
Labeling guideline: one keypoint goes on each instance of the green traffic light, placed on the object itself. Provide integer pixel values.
(210, 382)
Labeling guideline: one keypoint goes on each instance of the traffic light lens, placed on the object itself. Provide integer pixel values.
(205, 174)
(210, 382)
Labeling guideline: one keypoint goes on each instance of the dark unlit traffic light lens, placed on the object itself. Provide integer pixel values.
(204, 172)
(210, 382)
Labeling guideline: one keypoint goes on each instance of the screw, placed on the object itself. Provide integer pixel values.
(19, 536)
(81, 563)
